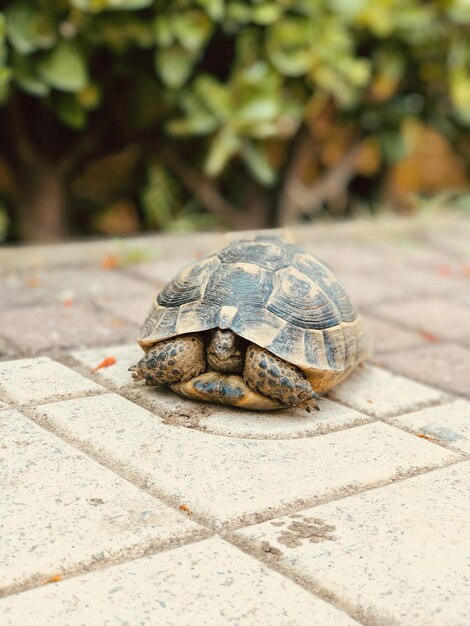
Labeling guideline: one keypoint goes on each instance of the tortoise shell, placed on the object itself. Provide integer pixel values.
(273, 294)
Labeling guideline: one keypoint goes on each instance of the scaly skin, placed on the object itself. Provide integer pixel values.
(275, 378)
(268, 382)
(174, 360)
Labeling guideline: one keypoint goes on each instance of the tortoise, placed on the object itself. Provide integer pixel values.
(261, 325)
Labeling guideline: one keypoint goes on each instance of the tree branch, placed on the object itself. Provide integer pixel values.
(299, 200)
(21, 144)
(202, 188)
(301, 146)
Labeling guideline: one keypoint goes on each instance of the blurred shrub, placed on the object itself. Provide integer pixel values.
(185, 114)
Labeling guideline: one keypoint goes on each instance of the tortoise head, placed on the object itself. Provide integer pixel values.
(225, 352)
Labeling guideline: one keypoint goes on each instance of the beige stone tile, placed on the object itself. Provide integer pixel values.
(379, 393)
(33, 381)
(448, 424)
(61, 510)
(289, 423)
(209, 582)
(443, 365)
(117, 374)
(229, 481)
(397, 555)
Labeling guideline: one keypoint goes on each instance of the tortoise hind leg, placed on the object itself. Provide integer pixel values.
(173, 360)
(275, 378)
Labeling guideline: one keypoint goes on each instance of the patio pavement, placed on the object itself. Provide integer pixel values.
(123, 504)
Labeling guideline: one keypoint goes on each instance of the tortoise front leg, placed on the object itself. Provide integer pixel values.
(174, 360)
(275, 378)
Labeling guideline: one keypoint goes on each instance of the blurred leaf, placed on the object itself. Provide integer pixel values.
(64, 68)
(239, 12)
(174, 65)
(215, 95)
(160, 197)
(200, 123)
(267, 13)
(223, 147)
(5, 72)
(288, 46)
(261, 109)
(116, 5)
(24, 73)
(119, 218)
(4, 221)
(459, 78)
(163, 31)
(192, 29)
(89, 97)
(71, 113)
(214, 8)
(257, 163)
(27, 28)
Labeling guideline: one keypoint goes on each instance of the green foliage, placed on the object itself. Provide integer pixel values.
(230, 82)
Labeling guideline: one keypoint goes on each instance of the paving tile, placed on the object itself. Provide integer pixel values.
(16, 291)
(35, 330)
(56, 285)
(228, 480)
(116, 374)
(133, 310)
(455, 242)
(289, 423)
(366, 290)
(61, 510)
(397, 554)
(343, 254)
(33, 381)
(385, 336)
(165, 402)
(443, 365)
(449, 423)
(209, 582)
(379, 393)
(429, 283)
(161, 271)
(441, 317)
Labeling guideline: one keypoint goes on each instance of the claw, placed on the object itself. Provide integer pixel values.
(136, 374)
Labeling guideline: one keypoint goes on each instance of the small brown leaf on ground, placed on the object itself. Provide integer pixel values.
(107, 362)
(425, 334)
(53, 579)
(424, 436)
(33, 281)
(185, 508)
(68, 302)
(466, 270)
(444, 270)
(117, 323)
(110, 262)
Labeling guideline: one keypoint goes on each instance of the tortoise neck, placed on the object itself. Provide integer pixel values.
(226, 351)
